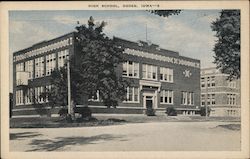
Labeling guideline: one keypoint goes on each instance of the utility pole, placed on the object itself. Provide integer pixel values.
(69, 87)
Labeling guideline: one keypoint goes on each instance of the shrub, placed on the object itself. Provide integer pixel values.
(203, 111)
(170, 111)
(63, 112)
(84, 111)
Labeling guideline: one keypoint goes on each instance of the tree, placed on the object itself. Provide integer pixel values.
(227, 47)
(165, 13)
(94, 66)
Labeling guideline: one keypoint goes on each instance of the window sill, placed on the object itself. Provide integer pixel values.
(168, 103)
(131, 102)
(167, 81)
(130, 77)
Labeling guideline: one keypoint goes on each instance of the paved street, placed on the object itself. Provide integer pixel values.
(156, 136)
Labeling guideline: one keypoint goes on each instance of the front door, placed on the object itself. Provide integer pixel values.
(149, 102)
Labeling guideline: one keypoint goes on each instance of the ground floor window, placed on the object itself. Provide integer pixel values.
(19, 97)
(29, 96)
(187, 98)
(38, 93)
(132, 94)
(166, 97)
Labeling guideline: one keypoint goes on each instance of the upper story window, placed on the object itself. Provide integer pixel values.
(19, 67)
(203, 99)
(29, 67)
(231, 99)
(202, 82)
(130, 69)
(208, 81)
(213, 81)
(166, 74)
(149, 72)
(232, 84)
(166, 97)
(50, 63)
(62, 57)
(39, 67)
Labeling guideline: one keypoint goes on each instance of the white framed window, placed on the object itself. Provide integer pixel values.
(231, 99)
(190, 100)
(39, 67)
(213, 81)
(187, 98)
(208, 81)
(62, 57)
(202, 82)
(132, 95)
(203, 99)
(149, 72)
(29, 68)
(130, 69)
(38, 93)
(184, 98)
(232, 84)
(213, 99)
(29, 96)
(19, 67)
(50, 63)
(166, 97)
(19, 97)
(166, 74)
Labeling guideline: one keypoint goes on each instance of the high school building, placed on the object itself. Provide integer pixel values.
(220, 94)
(161, 78)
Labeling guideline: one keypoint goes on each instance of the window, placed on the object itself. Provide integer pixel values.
(190, 98)
(62, 56)
(231, 99)
(19, 97)
(132, 94)
(29, 68)
(166, 97)
(38, 93)
(202, 82)
(232, 84)
(213, 99)
(208, 99)
(203, 99)
(50, 63)
(48, 89)
(19, 67)
(212, 81)
(149, 72)
(130, 69)
(184, 98)
(39, 67)
(208, 81)
(166, 74)
(187, 98)
(95, 97)
(29, 96)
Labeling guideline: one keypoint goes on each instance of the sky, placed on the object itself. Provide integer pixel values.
(188, 33)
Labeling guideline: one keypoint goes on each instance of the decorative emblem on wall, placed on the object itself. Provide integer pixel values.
(187, 73)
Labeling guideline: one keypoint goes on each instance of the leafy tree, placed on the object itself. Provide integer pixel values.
(165, 13)
(227, 47)
(94, 66)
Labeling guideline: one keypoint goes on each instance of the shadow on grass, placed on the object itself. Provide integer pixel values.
(61, 142)
(17, 136)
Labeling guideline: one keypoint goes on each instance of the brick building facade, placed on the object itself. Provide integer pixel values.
(220, 94)
(161, 78)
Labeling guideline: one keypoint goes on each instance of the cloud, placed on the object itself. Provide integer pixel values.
(69, 20)
(25, 33)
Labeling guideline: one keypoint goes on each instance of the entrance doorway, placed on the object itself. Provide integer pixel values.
(150, 100)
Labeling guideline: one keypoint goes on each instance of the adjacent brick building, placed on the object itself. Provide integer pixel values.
(161, 78)
(220, 94)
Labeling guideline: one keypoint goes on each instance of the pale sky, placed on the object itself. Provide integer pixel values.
(188, 33)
